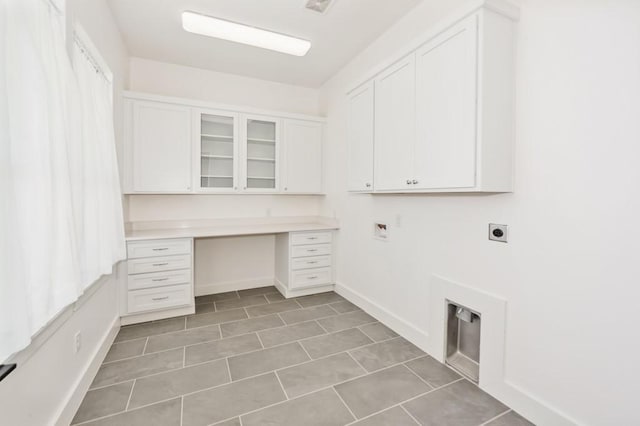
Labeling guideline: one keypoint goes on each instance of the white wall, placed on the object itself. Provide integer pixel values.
(48, 384)
(569, 271)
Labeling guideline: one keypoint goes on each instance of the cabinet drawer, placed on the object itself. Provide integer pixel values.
(311, 238)
(139, 249)
(311, 262)
(152, 299)
(158, 264)
(311, 250)
(159, 279)
(311, 277)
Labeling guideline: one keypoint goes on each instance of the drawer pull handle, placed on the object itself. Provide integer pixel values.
(161, 249)
(157, 299)
(312, 250)
(315, 277)
(159, 279)
(312, 238)
(312, 262)
(160, 264)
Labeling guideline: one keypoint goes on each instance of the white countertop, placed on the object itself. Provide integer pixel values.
(137, 231)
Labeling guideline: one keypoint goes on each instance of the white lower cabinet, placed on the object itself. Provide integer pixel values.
(158, 286)
(304, 262)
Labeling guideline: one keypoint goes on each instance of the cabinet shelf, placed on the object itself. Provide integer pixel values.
(269, 160)
(219, 157)
(256, 140)
(226, 138)
(261, 177)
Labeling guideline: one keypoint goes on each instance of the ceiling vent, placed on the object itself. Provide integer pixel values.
(319, 6)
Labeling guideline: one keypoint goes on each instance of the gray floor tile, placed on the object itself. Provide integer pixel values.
(319, 299)
(215, 318)
(137, 331)
(256, 291)
(163, 386)
(250, 325)
(221, 349)
(461, 403)
(242, 302)
(103, 402)
(182, 338)
(232, 422)
(315, 375)
(380, 390)
(378, 332)
(204, 299)
(227, 401)
(224, 296)
(433, 372)
(272, 308)
(344, 321)
(126, 349)
(279, 336)
(395, 416)
(275, 297)
(205, 308)
(386, 354)
(162, 414)
(254, 363)
(309, 314)
(121, 371)
(322, 408)
(336, 342)
(510, 419)
(344, 307)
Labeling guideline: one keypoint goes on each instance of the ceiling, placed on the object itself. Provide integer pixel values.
(152, 29)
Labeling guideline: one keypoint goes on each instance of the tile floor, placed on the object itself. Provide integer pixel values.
(253, 358)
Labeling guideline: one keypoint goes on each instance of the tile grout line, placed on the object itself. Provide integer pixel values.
(409, 414)
(497, 417)
(344, 402)
(181, 410)
(228, 370)
(286, 395)
(133, 385)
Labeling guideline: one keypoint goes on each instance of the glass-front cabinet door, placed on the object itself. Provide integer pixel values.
(218, 147)
(261, 150)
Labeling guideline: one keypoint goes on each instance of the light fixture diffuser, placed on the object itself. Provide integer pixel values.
(239, 33)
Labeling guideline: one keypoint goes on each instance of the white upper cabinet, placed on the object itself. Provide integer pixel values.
(395, 125)
(444, 115)
(360, 138)
(158, 157)
(260, 154)
(216, 145)
(175, 146)
(445, 149)
(302, 157)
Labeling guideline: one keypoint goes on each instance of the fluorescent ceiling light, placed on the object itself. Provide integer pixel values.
(227, 30)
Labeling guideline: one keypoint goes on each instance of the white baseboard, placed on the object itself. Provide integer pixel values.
(518, 399)
(397, 324)
(83, 383)
(221, 287)
(288, 293)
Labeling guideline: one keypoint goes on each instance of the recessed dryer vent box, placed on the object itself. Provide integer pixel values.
(463, 340)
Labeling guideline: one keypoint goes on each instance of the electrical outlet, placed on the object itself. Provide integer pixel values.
(380, 231)
(78, 341)
(498, 232)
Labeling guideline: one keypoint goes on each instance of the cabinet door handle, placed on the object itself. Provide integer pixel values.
(157, 299)
(408, 181)
(161, 249)
(160, 264)
(415, 182)
(368, 185)
(160, 279)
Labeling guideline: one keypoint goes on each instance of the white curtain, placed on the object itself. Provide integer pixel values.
(60, 197)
